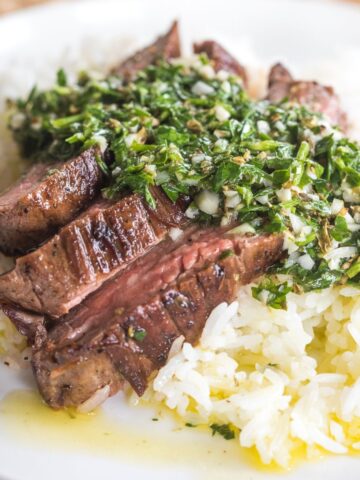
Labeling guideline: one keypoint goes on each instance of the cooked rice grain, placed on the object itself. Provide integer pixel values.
(13, 346)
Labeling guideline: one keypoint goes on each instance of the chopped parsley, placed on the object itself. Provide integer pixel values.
(354, 270)
(340, 232)
(272, 293)
(224, 430)
(139, 334)
(226, 254)
(271, 168)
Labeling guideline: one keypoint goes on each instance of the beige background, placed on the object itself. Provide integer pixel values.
(10, 5)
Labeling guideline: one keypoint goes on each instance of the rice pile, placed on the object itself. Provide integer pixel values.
(283, 378)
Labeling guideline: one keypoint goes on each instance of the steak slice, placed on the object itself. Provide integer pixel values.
(45, 199)
(29, 324)
(133, 319)
(317, 97)
(86, 252)
(221, 58)
(166, 47)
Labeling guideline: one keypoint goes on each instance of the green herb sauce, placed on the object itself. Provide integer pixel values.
(272, 168)
(224, 430)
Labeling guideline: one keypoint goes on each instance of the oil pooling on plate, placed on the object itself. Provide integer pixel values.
(27, 419)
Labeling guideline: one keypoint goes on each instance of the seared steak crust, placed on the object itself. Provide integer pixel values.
(221, 58)
(136, 331)
(86, 252)
(45, 199)
(38, 205)
(318, 98)
(165, 47)
(89, 375)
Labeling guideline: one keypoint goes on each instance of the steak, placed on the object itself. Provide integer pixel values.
(29, 324)
(165, 47)
(45, 199)
(222, 60)
(130, 323)
(40, 203)
(317, 97)
(86, 252)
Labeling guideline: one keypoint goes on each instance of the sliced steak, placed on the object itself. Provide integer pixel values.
(133, 319)
(153, 270)
(318, 98)
(221, 58)
(86, 252)
(29, 324)
(165, 47)
(279, 83)
(45, 199)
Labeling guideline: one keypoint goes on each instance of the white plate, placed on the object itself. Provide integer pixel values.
(125, 441)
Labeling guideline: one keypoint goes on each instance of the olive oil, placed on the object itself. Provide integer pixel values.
(24, 417)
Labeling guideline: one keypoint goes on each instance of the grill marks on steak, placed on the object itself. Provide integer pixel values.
(317, 97)
(91, 249)
(221, 58)
(45, 199)
(34, 209)
(136, 331)
(138, 292)
(166, 47)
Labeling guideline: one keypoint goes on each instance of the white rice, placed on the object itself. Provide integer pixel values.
(13, 347)
(283, 378)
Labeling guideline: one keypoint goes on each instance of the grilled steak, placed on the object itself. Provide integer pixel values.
(86, 252)
(29, 324)
(34, 209)
(46, 199)
(130, 323)
(166, 47)
(222, 59)
(318, 98)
